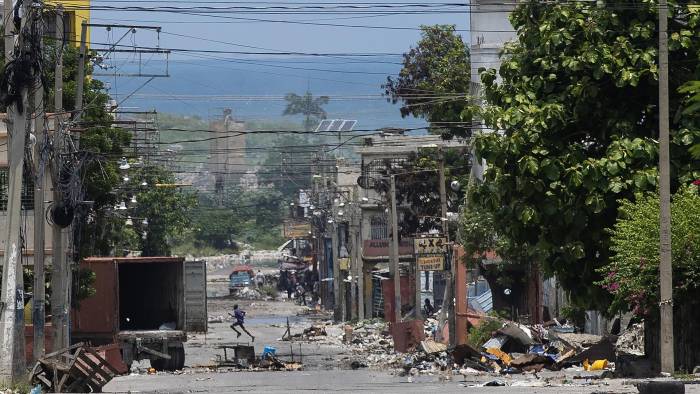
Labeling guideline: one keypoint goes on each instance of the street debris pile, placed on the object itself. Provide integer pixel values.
(315, 332)
(632, 340)
(76, 369)
(249, 293)
(512, 349)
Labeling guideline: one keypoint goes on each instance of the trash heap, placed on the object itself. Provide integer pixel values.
(248, 293)
(315, 332)
(513, 349)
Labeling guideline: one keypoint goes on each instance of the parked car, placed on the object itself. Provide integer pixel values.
(242, 276)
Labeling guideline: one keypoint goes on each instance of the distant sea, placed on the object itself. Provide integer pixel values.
(253, 87)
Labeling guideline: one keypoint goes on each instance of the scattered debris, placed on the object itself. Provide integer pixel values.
(247, 293)
(75, 369)
(631, 341)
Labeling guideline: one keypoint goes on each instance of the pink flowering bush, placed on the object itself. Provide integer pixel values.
(632, 274)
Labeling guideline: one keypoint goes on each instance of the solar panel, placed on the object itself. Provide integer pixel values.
(335, 125)
(348, 125)
(323, 126)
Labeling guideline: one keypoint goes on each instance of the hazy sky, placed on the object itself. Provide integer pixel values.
(283, 36)
(241, 75)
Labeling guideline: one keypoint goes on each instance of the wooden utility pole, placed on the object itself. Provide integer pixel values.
(394, 265)
(12, 361)
(665, 266)
(38, 310)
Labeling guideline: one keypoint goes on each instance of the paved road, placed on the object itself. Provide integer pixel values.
(360, 381)
(326, 366)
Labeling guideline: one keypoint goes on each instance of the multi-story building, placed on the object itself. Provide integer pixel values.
(374, 225)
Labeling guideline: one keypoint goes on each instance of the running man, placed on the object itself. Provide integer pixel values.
(239, 314)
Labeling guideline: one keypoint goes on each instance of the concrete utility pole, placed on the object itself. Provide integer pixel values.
(355, 262)
(38, 310)
(337, 307)
(81, 73)
(359, 264)
(60, 272)
(394, 265)
(665, 266)
(12, 362)
(448, 303)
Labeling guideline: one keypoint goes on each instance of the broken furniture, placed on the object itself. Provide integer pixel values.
(76, 369)
(244, 352)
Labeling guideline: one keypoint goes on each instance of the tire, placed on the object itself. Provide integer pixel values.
(159, 364)
(177, 358)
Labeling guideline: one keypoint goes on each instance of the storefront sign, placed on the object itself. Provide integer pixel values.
(296, 230)
(431, 263)
(380, 247)
(430, 246)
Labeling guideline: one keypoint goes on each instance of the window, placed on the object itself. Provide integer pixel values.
(378, 227)
(27, 191)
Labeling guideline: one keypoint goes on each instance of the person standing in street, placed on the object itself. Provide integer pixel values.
(259, 279)
(239, 315)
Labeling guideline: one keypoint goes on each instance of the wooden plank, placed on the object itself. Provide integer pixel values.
(107, 364)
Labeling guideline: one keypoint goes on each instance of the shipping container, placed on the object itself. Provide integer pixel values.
(147, 304)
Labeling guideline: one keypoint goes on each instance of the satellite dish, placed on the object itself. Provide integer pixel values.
(62, 214)
(366, 182)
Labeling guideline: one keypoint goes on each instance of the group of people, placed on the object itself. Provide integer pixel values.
(300, 285)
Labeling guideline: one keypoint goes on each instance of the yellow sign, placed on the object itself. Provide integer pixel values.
(297, 230)
(431, 263)
(344, 263)
(432, 245)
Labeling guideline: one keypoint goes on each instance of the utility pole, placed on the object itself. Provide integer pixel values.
(394, 265)
(12, 361)
(353, 258)
(60, 271)
(665, 266)
(38, 310)
(81, 73)
(448, 306)
(359, 264)
(337, 308)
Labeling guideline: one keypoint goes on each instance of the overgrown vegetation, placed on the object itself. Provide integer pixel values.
(479, 334)
(632, 276)
(575, 106)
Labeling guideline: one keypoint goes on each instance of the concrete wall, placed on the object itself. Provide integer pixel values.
(491, 29)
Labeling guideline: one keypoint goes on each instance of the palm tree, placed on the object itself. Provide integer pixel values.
(308, 106)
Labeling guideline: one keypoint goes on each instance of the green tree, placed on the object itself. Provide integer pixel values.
(167, 209)
(576, 113)
(692, 89)
(417, 188)
(309, 106)
(632, 275)
(434, 81)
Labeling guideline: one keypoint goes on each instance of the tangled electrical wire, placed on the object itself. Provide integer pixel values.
(21, 71)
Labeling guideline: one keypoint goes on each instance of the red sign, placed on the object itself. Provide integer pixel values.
(380, 247)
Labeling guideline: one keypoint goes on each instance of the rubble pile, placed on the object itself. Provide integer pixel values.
(631, 341)
(315, 332)
(248, 293)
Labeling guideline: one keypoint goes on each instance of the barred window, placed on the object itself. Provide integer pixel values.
(378, 227)
(27, 190)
